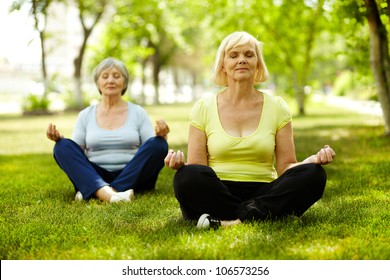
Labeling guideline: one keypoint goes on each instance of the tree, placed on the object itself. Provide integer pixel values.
(147, 33)
(39, 12)
(90, 13)
(158, 35)
(289, 30)
(292, 33)
(379, 54)
(375, 16)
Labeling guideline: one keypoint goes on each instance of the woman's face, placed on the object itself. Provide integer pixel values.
(111, 82)
(241, 63)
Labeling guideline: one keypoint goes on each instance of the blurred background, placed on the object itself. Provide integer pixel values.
(324, 49)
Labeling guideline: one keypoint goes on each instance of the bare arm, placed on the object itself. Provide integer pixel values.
(285, 152)
(197, 149)
(285, 149)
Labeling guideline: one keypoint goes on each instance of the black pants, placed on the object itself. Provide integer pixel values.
(199, 191)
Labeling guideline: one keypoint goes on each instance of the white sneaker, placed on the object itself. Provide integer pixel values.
(127, 196)
(78, 197)
(207, 221)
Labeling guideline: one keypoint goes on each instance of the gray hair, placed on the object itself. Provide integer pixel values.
(233, 40)
(110, 63)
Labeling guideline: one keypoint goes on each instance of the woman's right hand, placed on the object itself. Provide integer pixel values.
(52, 133)
(174, 160)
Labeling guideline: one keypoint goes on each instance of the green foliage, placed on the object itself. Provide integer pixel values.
(305, 42)
(35, 104)
(343, 83)
(69, 98)
(349, 20)
(354, 85)
(39, 220)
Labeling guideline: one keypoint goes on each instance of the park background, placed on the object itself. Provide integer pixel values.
(323, 59)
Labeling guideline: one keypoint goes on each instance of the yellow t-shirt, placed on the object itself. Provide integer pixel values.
(249, 158)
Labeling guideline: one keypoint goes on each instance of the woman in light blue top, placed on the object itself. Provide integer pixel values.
(114, 151)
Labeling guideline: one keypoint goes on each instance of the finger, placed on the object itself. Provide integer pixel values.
(166, 127)
(49, 128)
(49, 132)
(168, 157)
(325, 156)
(332, 152)
(163, 125)
(318, 157)
(159, 125)
(157, 129)
(54, 131)
(172, 162)
(329, 154)
(178, 157)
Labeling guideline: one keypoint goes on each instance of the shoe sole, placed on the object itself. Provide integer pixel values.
(201, 221)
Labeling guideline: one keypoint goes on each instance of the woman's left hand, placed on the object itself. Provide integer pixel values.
(161, 129)
(324, 156)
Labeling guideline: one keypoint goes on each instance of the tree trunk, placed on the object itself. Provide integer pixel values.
(78, 95)
(379, 59)
(43, 61)
(37, 22)
(143, 81)
(156, 72)
(195, 86)
(78, 63)
(305, 69)
(299, 93)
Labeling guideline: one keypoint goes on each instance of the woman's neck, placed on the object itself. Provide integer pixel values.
(239, 92)
(108, 103)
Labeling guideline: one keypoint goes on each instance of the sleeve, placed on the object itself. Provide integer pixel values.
(283, 113)
(80, 128)
(146, 129)
(198, 115)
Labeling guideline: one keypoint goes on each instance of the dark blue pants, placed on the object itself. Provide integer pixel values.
(199, 191)
(140, 174)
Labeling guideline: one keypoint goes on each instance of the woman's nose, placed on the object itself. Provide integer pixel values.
(241, 59)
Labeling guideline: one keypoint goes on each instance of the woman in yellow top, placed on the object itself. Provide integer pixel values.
(241, 162)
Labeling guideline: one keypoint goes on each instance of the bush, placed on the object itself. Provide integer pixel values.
(35, 104)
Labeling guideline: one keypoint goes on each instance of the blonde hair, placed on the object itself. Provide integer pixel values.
(107, 63)
(233, 40)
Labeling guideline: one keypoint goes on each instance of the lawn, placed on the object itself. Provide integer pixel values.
(39, 219)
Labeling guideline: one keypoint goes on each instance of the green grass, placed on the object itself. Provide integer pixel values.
(39, 220)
